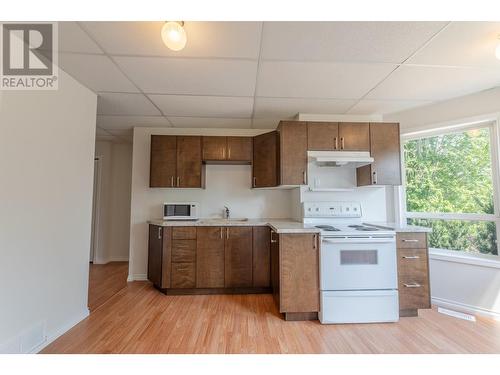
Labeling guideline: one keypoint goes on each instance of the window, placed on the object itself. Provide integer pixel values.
(450, 187)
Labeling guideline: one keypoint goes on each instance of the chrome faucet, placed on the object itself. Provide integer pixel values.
(226, 208)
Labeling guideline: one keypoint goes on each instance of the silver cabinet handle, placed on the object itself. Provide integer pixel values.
(221, 233)
(274, 241)
(178, 181)
(304, 177)
(254, 181)
(342, 143)
(411, 257)
(229, 153)
(412, 285)
(374, 179)
(336, 143)
(172, 181)
(412, 240)
(227, 233)
(159, 233)
(223, 153)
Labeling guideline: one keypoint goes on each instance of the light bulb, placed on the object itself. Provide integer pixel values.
(173, 35)
(497, 51)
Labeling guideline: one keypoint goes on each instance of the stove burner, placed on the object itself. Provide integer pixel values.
(363, 228)
(327, 228)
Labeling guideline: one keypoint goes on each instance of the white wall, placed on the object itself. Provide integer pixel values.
(46, 161)
(460, 285)
(114, 210)
(225, 185)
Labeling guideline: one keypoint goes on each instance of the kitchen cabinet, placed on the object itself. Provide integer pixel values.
(261, 262)
(159, 256)
(163, 166)
(275, 269)
(322, 136)
(232, 150)
(210, 257)
(238, 257)
(293, 152)
(413, 273)
(354, 136)
(296, 275)
(265, 166)
(176, 162)
(386, 152)
(182, 257)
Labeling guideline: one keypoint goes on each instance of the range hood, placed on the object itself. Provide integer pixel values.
(340, 158)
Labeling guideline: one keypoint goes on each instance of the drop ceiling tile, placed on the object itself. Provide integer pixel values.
(72, 38)
(434, 83)
(462, 43)
(129, 122)
(204, 39)
(376, 107)
(201, 122)
(157, 75)
(265, 123)
(204, 106)
(125, 104)
(319, 80)
(289, 107)
(97, 72)
(345, 41)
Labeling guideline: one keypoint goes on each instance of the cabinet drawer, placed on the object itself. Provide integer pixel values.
(183, 251)
(183, 275)
(412, 263)
(184, 233)
(411, 240)
(414, 294)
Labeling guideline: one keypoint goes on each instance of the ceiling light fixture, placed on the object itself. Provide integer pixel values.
(497, 50)
(173, 35)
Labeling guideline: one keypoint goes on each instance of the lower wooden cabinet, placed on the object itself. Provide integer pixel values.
(261, 269)
(210, 257)
(296, 275)
(183, 275)
(238, 257)
(413, 273)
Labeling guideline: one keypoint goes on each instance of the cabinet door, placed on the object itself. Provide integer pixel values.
(293, 152)
(189, 169)
(275, 267)
(261, 257)
(354, 136)
(238, 257)
(163, 161)
(323, 136)
(265, 167)
(155, 254)
(214, 148)
(299, 275)
(239, 149)
(210, 257)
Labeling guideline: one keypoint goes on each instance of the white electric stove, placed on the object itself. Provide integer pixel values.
(358, 265)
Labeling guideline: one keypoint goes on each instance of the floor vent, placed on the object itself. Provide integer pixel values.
(457, 314)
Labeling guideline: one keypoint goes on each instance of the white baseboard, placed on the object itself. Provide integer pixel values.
(111, 259)
(137, 277)
(462, 307)
(52, 336)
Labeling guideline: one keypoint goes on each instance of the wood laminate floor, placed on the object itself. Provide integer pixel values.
(105, 280)
(139, 319)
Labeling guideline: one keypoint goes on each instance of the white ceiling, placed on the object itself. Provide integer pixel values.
(251, 74)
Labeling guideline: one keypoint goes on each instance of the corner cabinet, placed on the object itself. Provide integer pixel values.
(386, 151)
(293, 152)
(176, 162)
(265, 166)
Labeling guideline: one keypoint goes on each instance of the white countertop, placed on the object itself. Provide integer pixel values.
(278, 225)
(399, 228)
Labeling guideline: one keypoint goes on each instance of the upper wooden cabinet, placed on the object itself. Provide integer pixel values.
(265, 166)
(322, 136)
(293, 152)
(385, 150)
(227, 149)
(354, 136)
(163, 166)
(176, 162)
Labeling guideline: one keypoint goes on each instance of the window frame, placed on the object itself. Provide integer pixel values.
(457, 127)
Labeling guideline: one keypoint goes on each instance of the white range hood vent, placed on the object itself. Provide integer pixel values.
(340, 158)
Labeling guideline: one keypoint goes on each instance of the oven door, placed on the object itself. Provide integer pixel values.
(358, 263)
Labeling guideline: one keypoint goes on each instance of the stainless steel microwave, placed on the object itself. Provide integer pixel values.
(181, 211)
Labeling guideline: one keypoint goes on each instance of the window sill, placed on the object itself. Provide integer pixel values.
(482, 260)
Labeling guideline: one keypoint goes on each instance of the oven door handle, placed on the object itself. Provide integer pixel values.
(359, 240)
